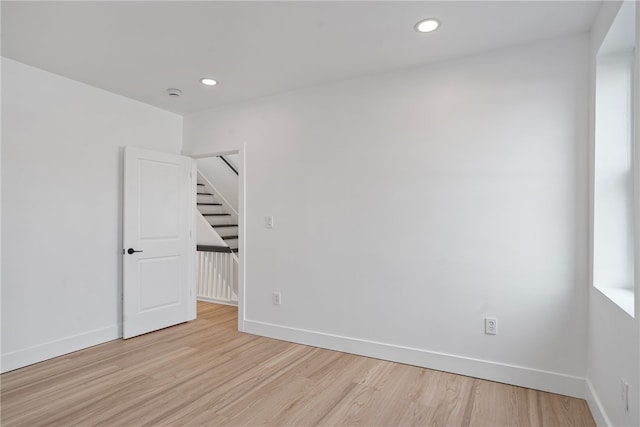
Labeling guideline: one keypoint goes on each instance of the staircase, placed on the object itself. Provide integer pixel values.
(215, 211)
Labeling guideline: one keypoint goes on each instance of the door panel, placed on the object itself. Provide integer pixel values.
(159, 270)
(157, 283)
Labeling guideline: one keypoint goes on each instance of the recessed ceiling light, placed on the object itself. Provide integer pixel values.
(207, 81)
(427, 25)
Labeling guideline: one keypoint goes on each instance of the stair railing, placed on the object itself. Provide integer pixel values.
(217, 275)
(229, 164)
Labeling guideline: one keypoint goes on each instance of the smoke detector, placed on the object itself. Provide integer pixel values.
(174, 92)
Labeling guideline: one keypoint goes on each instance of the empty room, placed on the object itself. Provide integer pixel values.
(378, 213)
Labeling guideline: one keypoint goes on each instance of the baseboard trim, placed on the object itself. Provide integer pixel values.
(510, 374)
(595, 406)
(217, 301)
(29, 356)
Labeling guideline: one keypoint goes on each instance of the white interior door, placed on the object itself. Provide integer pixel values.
(157, 255)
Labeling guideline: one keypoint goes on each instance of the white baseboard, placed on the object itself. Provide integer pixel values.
(510, 374)
(595, 406)
(28, 356)
(217, 301)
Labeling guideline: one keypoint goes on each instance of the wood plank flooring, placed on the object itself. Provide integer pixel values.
(205, 373)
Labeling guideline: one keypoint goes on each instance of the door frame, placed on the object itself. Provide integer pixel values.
(242, 247)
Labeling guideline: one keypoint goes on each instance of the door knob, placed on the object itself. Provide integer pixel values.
(130, 251)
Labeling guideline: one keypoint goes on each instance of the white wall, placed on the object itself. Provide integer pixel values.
(410, 205)
(61, 199)
(614, 336)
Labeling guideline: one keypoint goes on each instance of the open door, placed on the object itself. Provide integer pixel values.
(157, 254)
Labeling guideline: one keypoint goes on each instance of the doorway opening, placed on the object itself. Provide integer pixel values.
(220, 229)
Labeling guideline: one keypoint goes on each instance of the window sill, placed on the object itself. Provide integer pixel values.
(622, 297)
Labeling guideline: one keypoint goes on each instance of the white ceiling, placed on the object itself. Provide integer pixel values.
(139, 49)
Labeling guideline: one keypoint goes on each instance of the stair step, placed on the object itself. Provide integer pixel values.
(209, 204)
(235, 250)
(229, 237)
(223, 225)
(216, 214)
(200, 184)
(204, 194)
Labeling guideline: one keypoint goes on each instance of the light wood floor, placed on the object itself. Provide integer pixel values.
(206, 373)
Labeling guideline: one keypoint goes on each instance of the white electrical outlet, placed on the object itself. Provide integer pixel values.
(490, 326)
(624, 394)
(277, 298)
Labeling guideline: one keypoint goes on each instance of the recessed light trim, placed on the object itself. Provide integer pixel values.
(427, 25)
(208, 81)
